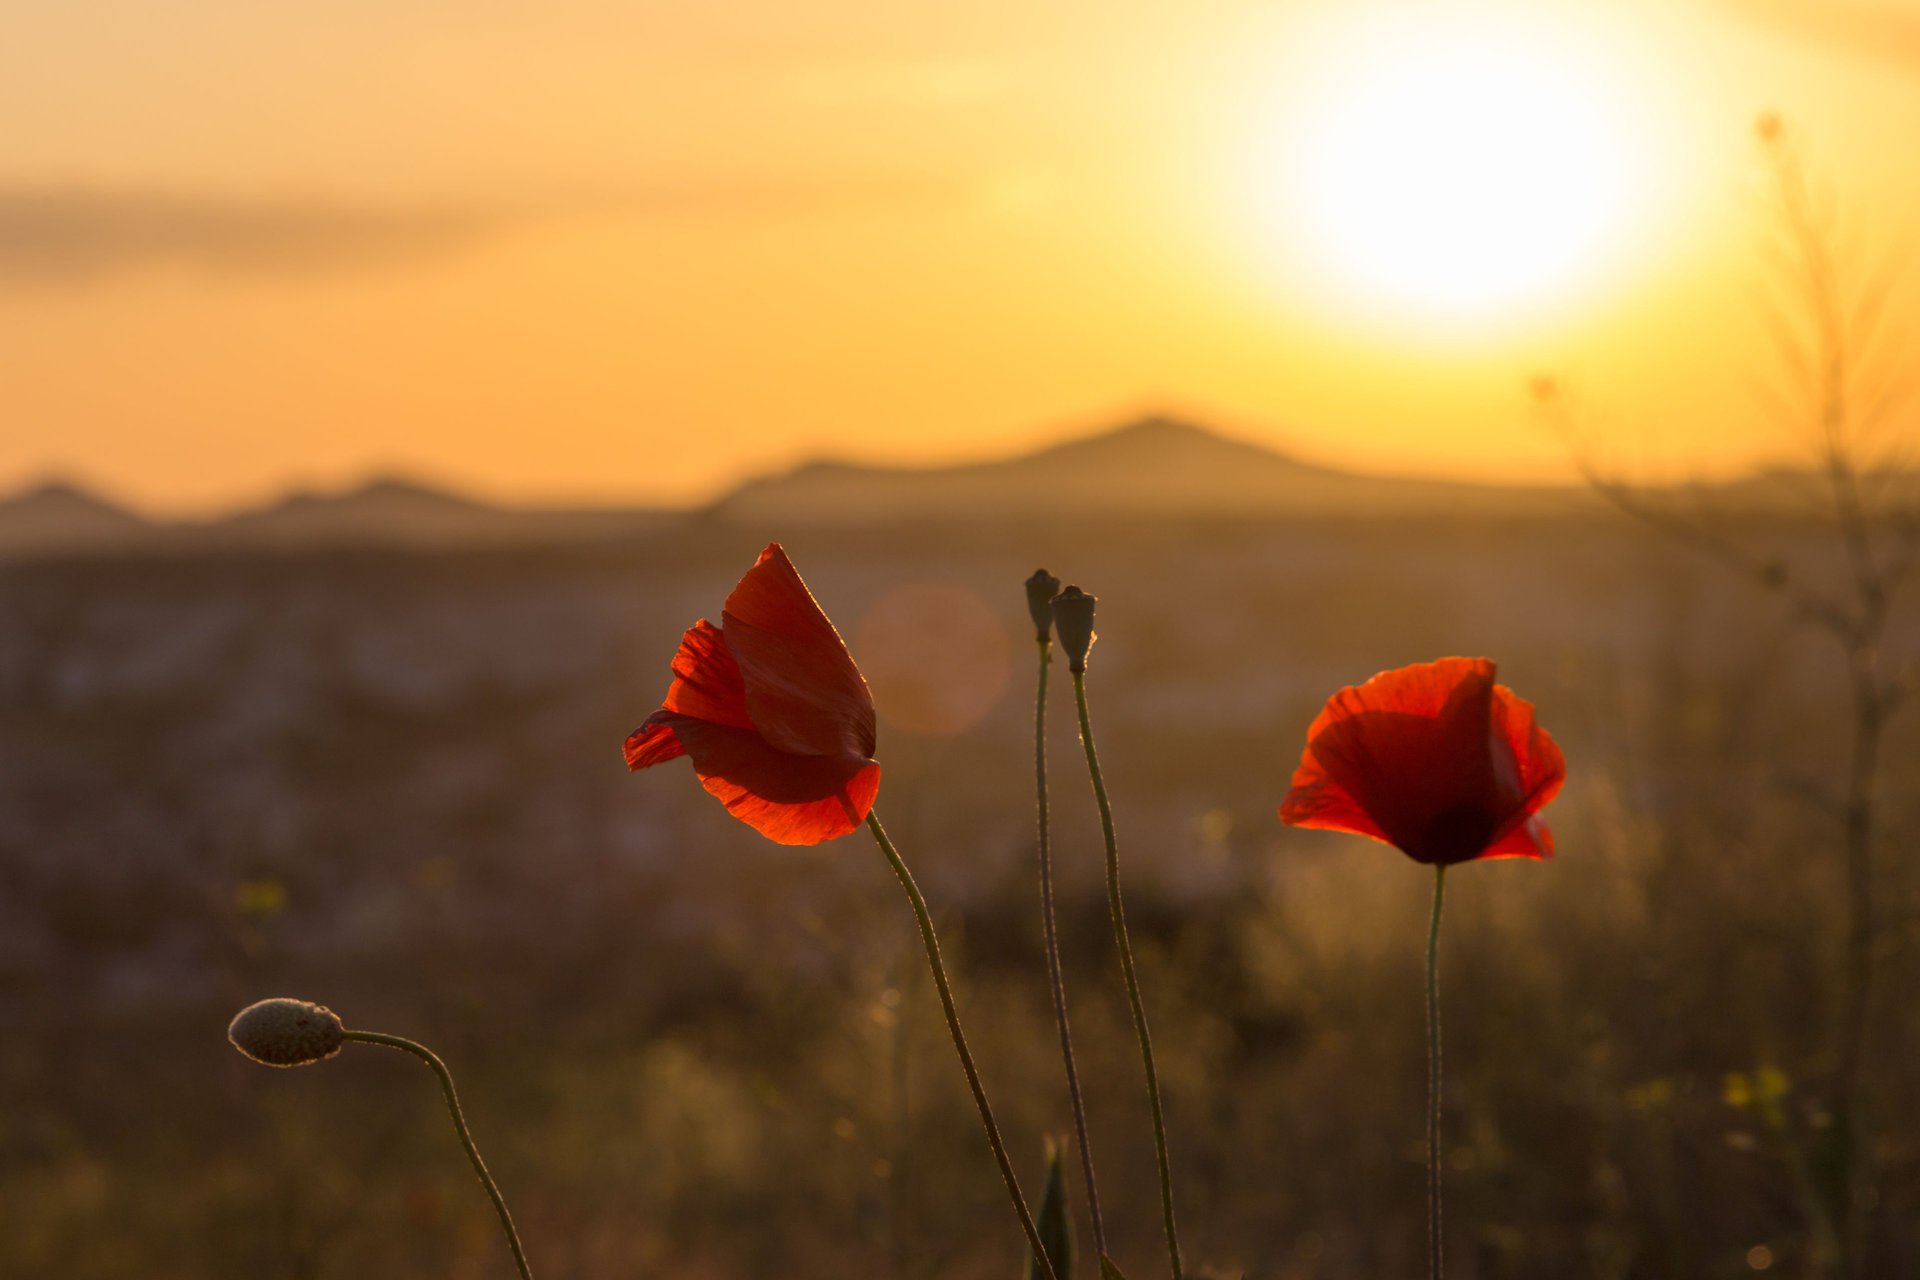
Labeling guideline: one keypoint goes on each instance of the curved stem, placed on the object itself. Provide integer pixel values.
(1433, 1076)
(1127, 971)
(1052, 936)
(940, 983)
(432, 1059)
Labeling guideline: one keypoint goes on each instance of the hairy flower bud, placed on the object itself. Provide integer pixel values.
(1073, 622)
(1042, 587)
(283, 1032)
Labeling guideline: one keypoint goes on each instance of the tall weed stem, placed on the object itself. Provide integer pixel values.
(940, 983)
(1119, 914)
(432, 1059)
(1052, 936)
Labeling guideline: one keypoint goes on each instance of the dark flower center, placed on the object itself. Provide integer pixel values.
(1456, 834)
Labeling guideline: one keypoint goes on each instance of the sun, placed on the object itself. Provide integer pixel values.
(1455, 168)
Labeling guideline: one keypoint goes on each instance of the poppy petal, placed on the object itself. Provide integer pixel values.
(1529, 838)
(1317, 801)
(803, 691)
(790, 799)
(707, 684)
(1423, 689)
(1435, 759)
(652, 743)
(1541, 767)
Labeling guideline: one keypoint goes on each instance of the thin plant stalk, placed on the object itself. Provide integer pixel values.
(940, 983)
(1434, 1250)
(1119, 914)
(432, 1059)
(1052, 937)
(1831, 341)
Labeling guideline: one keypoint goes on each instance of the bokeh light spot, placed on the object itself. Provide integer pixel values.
(936, 656)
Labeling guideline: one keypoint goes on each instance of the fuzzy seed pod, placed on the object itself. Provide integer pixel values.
(283, 1032)
(1042, 587)
(1073, 623)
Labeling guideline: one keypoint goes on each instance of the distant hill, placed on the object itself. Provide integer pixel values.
(1155, 466)
(387, 510)
(57, 516)
(397, 512)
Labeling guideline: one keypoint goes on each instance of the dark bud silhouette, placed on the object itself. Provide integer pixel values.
(1073, 621)
(283, 1032)
(1042, 587)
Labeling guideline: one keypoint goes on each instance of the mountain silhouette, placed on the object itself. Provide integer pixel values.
(388, 510)
(1154, 466)
(394, 511)
(56, 515)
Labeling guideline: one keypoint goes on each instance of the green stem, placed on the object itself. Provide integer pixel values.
(1127, 971)
(428, 1056)
(940, 983)
(1052, 936)
(1433, 1076)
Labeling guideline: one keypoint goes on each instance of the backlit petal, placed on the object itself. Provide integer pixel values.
(652, 743)
(803, 691)
(1436, 759)
(1423, 689)
(1541, 767)
(1528, 838)
(1315, 800)
(707, 684)
(787, 798)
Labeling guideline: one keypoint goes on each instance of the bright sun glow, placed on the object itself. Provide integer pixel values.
(1460, 169)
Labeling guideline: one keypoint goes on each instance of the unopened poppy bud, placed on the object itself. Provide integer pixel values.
(1073, 621)
(286, 1033)
(1042, 587)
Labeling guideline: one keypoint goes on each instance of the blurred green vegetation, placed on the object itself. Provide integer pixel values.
(392, 783)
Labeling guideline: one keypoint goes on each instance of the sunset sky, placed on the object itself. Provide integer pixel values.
(598, 251)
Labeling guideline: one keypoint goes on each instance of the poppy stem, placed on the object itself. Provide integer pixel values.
(1433, 1075)
(1052, 936)
(1127, 971)
(432, 1059)
(945, 989)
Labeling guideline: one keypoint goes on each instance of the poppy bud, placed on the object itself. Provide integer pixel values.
(1073, 620)
(1042, 587)
(286, 1033)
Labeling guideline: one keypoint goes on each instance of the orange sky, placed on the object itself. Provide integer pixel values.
(590, 250)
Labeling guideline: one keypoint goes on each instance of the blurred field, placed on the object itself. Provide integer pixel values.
(391, 782)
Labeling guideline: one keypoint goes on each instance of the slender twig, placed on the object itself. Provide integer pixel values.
(1874, 582)
(432, 1059)
(1434, 1250)
(940, 983)
(1052, 936)
(1127, 971)
(1832, 354)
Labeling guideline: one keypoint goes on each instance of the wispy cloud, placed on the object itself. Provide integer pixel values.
(71, 235)
(1874, 30)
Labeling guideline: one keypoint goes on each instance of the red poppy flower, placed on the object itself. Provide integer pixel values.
(1435, 759)
(774, 714)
